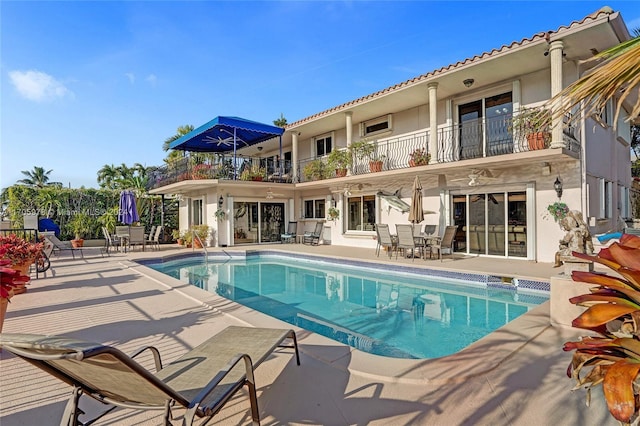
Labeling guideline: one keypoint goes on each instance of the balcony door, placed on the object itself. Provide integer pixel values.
(484, 127)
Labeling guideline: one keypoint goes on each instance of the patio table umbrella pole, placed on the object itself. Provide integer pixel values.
(416, 214)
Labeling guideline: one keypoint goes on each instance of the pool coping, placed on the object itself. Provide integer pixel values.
(482, 356)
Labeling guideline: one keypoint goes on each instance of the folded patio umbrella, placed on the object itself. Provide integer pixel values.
(128, 212)
(416, 214)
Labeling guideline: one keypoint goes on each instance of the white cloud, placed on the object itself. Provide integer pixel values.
(38, 86)
(131, 76)
(152, 79)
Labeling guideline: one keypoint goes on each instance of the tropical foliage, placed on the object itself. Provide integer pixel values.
(616, 77)
(558, 210)
(9, 278)
(611, 357)
(18, 250)
(37, 177)
(280, 122)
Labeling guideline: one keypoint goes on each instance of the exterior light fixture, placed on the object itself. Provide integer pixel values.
(557, 185)
(468, 82)
(220, 201)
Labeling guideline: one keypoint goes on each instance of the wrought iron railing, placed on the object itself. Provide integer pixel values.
(480, 138)
(221, 167)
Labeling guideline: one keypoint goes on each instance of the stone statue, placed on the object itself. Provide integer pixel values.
(576, 238)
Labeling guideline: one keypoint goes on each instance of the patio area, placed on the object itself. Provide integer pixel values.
(513, 376)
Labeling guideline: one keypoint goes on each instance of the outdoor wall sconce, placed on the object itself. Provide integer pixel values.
(557, 185)
(468, 82)
(220, 201)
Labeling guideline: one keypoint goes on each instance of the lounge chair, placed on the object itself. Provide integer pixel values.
(59, 246)
(202, 381)
(385, 239)
(290, 235)
(313, 238)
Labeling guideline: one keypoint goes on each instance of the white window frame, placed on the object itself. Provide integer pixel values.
(376, 121)
(605, 192)
(346, 213)
(192, 218)
(325, 136)
(623, 200)
(315, 201)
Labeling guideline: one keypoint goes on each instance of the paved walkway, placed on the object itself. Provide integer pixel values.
(515, 376)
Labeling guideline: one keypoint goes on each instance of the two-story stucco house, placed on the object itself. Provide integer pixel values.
(487, 173)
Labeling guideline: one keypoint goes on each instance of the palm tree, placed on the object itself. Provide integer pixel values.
(107, 176)
(618, 75)
(280, 122)
(37, 177)
(182, 130)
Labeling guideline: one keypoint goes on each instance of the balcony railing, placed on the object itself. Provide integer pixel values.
(480, 138)
(198, 166)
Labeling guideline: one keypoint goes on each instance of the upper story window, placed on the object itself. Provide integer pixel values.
(377, 125)
(324, 145)
(604, 115)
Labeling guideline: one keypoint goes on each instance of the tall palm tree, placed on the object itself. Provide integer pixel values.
(618, 75)
(37, 177)
(182, 130)
(107, 176)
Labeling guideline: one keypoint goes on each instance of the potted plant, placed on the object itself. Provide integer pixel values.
(558, 210)
(610, 355)
(10, 279)
(333, 213)
(419, 157)
(219, 214)
(202, 232)
(366, 149)
(19, 254)
(315, 170)
(535, 124)
(80, 225)
(340, 160)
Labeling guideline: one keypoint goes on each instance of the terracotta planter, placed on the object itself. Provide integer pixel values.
(536, 140)
(196, 244)
(77, 243)
(23, 267)
(4, 303)
(341, 172)
(257, 178)
(375, 166)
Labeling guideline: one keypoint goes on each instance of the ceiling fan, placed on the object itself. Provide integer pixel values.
(478, 177)
(271, 194)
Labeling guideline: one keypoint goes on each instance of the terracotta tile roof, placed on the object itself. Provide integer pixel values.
(541, 35)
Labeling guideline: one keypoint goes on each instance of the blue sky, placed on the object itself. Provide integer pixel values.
(84, 84)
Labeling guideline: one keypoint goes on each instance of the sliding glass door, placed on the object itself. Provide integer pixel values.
(258, 222)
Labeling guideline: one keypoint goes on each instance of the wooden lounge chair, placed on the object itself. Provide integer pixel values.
(313, 238)
(201, 381)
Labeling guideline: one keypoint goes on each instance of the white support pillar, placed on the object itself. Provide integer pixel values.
(516, 102)
(556, 53)
(433, 121)
(294, 156)
(348, 121)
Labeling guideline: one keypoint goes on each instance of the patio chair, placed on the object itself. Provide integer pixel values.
(59, 246)
(406, 240)
(290, 235)
(155, 241)
(313, 238)
(202, 381)
(385, 239)
(150, 235)
(136, 237)
(446, 243)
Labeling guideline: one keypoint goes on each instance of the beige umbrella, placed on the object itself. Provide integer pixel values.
(416, 214)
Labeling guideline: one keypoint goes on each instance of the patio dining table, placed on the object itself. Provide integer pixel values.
(425, 241)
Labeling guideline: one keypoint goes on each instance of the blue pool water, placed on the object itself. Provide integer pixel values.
(389, 313)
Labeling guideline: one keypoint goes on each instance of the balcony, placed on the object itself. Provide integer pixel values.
(471, 140)
(220, 167)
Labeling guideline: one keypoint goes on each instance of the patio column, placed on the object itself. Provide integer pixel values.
(433, 121)
(348, 118)
(294, 156)
(556, 53)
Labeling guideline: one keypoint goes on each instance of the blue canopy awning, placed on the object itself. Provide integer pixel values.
(224, 134)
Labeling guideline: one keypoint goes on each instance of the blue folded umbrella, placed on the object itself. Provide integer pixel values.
(606, 237)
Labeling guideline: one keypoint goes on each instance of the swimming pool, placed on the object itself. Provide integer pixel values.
(390, 313)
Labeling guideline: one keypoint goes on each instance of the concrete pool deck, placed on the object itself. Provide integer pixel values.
(513, 376)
